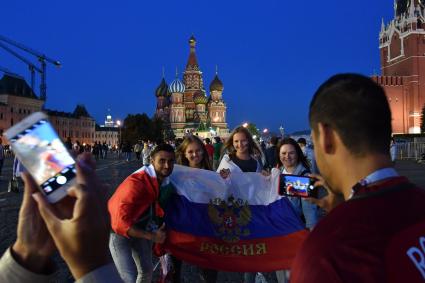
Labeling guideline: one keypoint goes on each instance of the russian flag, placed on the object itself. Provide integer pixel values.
(239, 224)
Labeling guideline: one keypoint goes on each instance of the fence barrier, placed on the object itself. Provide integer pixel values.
(410, 150)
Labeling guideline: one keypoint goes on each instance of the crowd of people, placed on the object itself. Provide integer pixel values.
(367, 225)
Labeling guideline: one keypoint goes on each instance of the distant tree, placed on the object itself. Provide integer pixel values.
(252, 128)
(423, 120)
(158, 131)
(140, 126)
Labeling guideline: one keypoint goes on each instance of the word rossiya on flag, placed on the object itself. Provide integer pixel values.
(237, 224)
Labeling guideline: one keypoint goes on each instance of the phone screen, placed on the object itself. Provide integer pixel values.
(44, 156)
(297, 186)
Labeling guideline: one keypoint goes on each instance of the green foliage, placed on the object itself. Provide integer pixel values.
(140, 126)
(252, 128)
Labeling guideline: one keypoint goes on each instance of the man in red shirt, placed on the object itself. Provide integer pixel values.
(210, 149)
(136, 216)
(376, 229)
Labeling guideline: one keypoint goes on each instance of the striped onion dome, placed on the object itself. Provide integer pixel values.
(176, 86)
(200, 98)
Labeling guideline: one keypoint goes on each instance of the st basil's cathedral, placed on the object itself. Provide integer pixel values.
(184, 106)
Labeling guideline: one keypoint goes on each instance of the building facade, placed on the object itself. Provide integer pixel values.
(109, 133)
(78, 125)
(184, 105)
(17, 101)
(402, 50)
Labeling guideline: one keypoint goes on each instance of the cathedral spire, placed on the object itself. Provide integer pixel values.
(192, 63)
(382, 25)
(412, 9)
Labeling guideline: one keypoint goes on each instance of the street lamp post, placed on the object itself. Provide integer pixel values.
(119, 138)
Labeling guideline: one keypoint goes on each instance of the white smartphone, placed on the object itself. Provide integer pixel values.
(39, 148)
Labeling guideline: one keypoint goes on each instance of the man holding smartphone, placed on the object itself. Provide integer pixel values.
(136, 216)
(375, 231)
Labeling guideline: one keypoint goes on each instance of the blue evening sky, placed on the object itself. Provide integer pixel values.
(271, 55)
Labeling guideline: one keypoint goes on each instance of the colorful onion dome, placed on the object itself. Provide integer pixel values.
(216, 84)
(162, 89)
(176, 86)
(200, 98)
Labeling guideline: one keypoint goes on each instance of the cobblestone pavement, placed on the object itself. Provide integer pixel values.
(113, 172)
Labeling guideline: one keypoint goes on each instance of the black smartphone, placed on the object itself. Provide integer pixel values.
(297, 186)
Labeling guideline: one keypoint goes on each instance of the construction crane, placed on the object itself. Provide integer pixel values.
(7, 71)
(31, 66)
(42, 58)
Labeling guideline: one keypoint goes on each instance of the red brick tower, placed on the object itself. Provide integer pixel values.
(402, 49)
(192, 79)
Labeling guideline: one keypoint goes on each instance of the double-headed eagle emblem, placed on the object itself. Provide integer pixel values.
(229, 218)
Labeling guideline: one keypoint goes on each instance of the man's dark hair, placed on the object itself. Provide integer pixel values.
(357, 109)
(274, 140)
(302, 141)
(161, 147)
(207, 141)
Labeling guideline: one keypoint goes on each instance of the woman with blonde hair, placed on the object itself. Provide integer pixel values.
(192, 153)
(242, 154)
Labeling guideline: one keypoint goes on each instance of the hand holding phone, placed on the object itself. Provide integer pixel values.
(297, 186)
(330, 200)
(39, 148)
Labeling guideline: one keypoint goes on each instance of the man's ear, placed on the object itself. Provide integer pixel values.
(327, 138)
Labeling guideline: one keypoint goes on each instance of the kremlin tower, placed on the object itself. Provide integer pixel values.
(402, 48)
(185, 106)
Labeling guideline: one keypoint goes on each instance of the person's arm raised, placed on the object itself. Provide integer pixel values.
(82, 239)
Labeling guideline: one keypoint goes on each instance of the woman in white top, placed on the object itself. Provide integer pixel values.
(240, 151)
(241, 156)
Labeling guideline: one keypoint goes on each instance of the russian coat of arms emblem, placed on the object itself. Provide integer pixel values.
(230, 218)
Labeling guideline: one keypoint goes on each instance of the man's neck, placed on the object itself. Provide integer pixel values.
(356, 168)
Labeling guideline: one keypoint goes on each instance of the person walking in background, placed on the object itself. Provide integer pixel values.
(193, 153)
(126, 149)
(2, 155)
(210, 149)
(217, 152)
(146, 154)
(271, 154)
(68, 143)
(393, 150)
(105, 149)
(138, 147)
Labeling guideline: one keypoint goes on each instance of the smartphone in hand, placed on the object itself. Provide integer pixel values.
(297, 186)
(39, 148)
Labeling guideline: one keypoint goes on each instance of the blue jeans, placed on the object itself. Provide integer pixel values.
(128, 156)
(132, 257)
(309, 210)
(249, 277)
